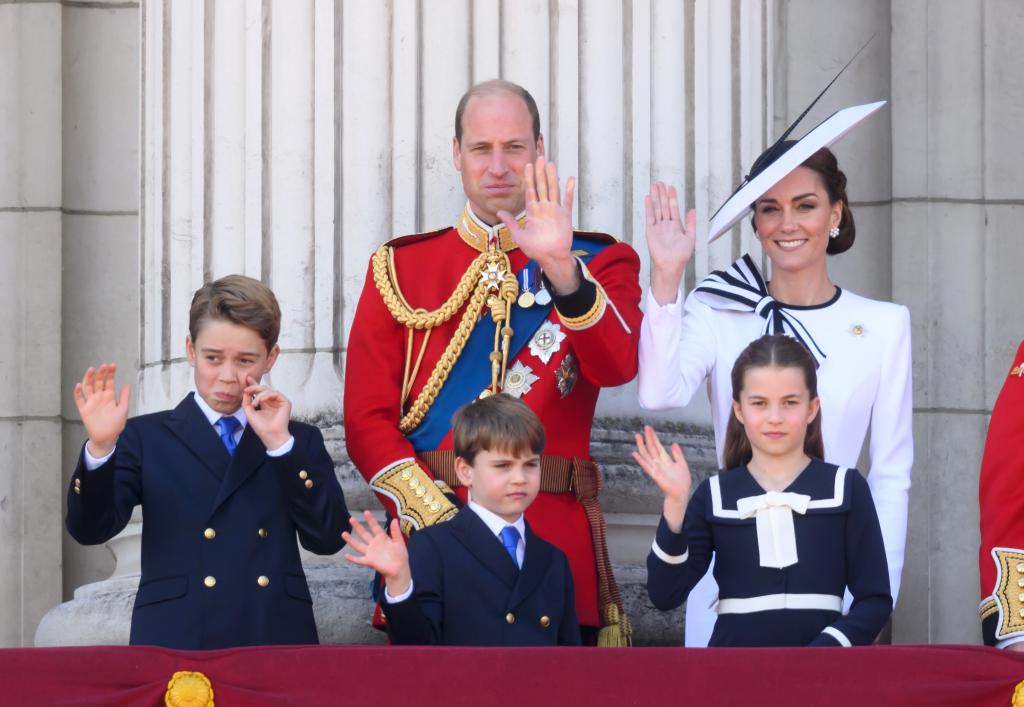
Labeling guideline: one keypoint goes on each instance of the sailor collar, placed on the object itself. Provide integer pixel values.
(823, 484)
(480, 236)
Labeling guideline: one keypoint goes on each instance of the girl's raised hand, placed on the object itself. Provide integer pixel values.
(670, 473)
(382, 551)
(103, 412)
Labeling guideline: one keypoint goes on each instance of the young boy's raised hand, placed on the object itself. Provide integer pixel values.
(103, 412)
(670, 473)
(384, 552)
(268, 411)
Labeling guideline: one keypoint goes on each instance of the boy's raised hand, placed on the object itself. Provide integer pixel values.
(384, 552)
(670, 473)
(268, 411)
(103, 412)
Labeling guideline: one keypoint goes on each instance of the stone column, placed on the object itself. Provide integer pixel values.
(957, 252)
(30, 318)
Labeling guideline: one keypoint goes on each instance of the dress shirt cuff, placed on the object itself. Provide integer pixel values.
(400, 598)
(670, 547)
(91, 462)
(283, 449)
(652, 308)
(1007, 642)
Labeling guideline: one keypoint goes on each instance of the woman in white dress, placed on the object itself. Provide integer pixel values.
(862, 345)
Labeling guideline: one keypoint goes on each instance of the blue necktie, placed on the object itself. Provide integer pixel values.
(510, 539)
(228, 425)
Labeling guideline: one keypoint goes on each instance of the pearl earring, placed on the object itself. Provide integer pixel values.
(833, 232)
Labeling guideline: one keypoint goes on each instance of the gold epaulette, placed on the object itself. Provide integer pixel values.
(1008, 597)
(420, 501)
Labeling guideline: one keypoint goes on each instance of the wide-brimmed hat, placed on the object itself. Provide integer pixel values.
(781, 159)
(785, 155)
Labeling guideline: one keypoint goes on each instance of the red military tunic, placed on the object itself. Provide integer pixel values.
(585, 352)
(1001, 495)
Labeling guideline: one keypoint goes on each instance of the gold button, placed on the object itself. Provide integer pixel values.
(545, 622)
(1020, 597)
(78, 491)
(263, 532)
(303, 475)
(309, 483)
(435, 506)
(420, 491)
(263, 580)
(209, 533)
(78, 482)
(413, 483)
(1022, 613)
(428, 499)
(210, 581)
(407, 474)
(858, 330)
(510, 618)
(1020, 567)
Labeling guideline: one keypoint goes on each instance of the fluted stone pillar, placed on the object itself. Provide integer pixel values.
(30, 317)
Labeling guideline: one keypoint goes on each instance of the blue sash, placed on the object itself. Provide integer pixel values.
(472, 371)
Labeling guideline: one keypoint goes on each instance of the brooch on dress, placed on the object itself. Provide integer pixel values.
(546, 341)
(519, 380)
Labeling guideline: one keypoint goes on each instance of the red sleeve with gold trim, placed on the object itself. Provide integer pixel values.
(373, 386)
(606, 334)
(1001, 497)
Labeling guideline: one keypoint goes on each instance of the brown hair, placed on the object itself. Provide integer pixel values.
(490, 88)
(497, 422)
(240, 300)
(824, 163)
(771, 351)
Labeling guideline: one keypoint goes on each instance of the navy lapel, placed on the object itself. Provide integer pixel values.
(249, 455)
(188, 423)
(484, 545)
(535, 564)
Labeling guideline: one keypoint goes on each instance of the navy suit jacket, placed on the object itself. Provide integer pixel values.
(468, 591)
(220, 565)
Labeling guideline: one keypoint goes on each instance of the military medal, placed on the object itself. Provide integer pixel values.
(527, 283)
(543, 296)
(566, 375)
(519, 380)
(546, 341)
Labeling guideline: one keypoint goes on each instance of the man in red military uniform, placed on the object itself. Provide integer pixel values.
(510, 300)
(1002, 516)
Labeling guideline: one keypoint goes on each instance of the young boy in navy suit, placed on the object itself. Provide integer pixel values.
(225, 480)
(483, 578)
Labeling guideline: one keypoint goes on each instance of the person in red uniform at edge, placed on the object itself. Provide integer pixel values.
(511, 299)
(1001, 558)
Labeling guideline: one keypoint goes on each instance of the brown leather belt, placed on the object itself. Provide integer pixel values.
(581, 477)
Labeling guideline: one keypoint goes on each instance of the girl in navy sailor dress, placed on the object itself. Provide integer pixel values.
(790, 532)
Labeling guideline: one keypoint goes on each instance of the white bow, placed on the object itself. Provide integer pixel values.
(773, 511)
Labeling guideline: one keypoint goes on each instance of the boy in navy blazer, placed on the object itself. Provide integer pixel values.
(225, 480)
(483, 578)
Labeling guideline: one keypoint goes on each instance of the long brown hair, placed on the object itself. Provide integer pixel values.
(772, 351)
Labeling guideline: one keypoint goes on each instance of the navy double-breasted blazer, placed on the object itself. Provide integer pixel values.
(468, 591)
(220, 562)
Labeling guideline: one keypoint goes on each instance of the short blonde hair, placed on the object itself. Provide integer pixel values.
(240, 300)
(497, 422)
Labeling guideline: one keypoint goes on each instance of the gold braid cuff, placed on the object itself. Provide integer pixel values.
(987, 608)
(419, 501)
(591, 317)
(1009, 591)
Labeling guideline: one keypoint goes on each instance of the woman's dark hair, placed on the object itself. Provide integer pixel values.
(771, 351)
(824, 163)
